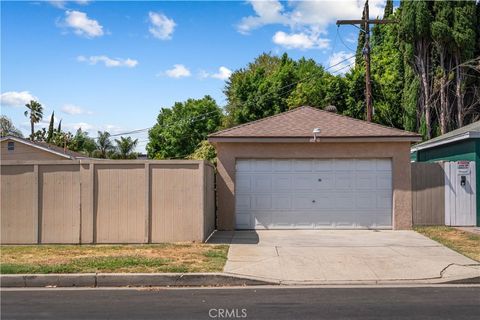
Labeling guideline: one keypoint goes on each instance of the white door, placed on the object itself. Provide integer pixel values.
(313, 193)
(460, 193)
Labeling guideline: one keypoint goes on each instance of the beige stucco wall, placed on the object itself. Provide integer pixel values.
(398, 152)
(26, 152)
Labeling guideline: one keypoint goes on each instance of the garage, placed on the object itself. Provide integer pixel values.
(307, 168)
(313, 193)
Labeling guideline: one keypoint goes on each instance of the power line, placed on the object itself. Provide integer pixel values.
(340, 37)
(204, 114)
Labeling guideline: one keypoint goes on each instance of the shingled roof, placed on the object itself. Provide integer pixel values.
(300, 122)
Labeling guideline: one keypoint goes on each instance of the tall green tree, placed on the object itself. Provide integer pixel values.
(104, 145)
(81, 142)
(8, 129)
(466, 34)
(442, 37)
(51, 129)
(180, 129)
(35, 113)
(125, 148)
(415, 33)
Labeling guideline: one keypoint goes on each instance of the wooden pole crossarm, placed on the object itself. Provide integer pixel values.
(363, 21)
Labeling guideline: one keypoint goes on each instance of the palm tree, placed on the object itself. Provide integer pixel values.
(125, 147)
(35, 113)
(104, 144)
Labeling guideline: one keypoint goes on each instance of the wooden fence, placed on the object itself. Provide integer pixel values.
(105, 201)
(428, 194)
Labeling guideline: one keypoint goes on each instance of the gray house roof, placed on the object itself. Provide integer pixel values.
(469, 131)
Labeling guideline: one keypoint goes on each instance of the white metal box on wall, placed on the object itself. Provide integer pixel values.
(460, 190)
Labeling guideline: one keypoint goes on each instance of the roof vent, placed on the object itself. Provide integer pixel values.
(331, 108)
(316, 133)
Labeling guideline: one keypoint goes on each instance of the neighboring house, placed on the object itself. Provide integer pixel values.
(272, 173)
(456, 145)
(14, 148)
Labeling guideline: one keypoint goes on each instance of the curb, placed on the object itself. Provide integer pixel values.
(128, 280)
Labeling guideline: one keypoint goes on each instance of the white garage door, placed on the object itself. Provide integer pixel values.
(313, 193)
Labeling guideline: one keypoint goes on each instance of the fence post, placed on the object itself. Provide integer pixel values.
(94, 201)
(36, 205)
(148, 209)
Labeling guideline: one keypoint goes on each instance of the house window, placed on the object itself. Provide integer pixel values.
(11, 146)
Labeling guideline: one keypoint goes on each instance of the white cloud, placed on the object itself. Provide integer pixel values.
(82, 24)
(268, 12)
(223, 74)
(16, 98)
(109, 62)
(161, 27)
(77, 125)
(300, 40)
(340, 62)
(74, 110)
(305, 19)
(62, 4)
(178, 71)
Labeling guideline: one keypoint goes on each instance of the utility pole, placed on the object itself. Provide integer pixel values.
(365, 27)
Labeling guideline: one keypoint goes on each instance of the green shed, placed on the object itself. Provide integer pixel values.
(460, 144)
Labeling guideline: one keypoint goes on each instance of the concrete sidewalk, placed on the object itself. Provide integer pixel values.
(343, 257)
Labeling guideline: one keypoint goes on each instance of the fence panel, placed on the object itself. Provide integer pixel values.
(59, 207)
(19, 217)
(120, 203)
(428, 194)
(105, 201)
(175, 206)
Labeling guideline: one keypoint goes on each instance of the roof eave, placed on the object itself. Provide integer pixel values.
(459, 137)
(36, 146)
(214, 139)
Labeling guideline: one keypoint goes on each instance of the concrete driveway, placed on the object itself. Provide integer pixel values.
(342, 256)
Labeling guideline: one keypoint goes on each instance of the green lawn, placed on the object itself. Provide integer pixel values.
(463, 242)
(113, 258)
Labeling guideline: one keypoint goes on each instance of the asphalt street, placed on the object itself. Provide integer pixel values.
(441, 302)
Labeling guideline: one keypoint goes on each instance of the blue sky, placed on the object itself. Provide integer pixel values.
(104, 65)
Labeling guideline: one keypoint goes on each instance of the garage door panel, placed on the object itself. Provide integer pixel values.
(262, 165)
(243, 220)
(300, 202)
(243, 202)
(383, 165)
(281, 202)
(344, 165)
(262, 183)
(344, 181)
(384, 181)
(262, 202)
(313, 193)
(282, 183)
(366, 180)
(365, 200)
(244, 166)
(282, 165)
(323, 165)
(303, 165)
(243, 184)
(303, 182)
(323, 181)
(384, 200)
